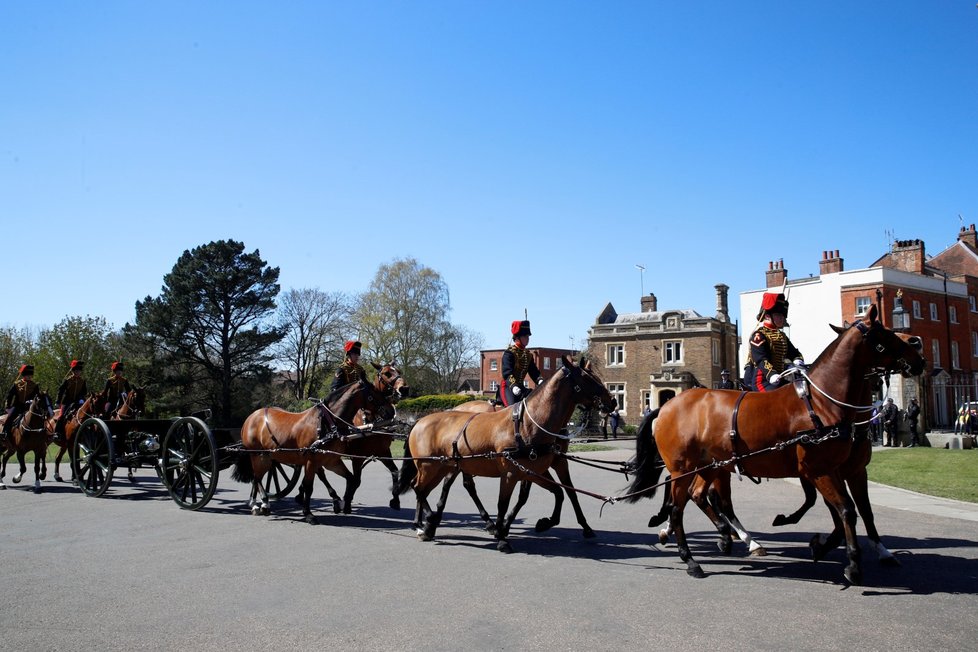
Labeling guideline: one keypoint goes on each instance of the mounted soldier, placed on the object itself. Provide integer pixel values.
(517, 363)
(770, 348)
(19, 395)
(71, 394)
(116, 389)
(350, 371)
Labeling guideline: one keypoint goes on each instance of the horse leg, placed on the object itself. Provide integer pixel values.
(433, 519)
(833, 489)
(521, 498)
(469, 483)
(337, 501)
(308, 479)
(680, 496)
(706, 498)
(3, 466)
(720, 494)
(562, 469)
(21, 459)
(506, 485)
(791, 519)
(426, 480)
(395, 502)
(57, 464)
(40, 470)
(859, 488)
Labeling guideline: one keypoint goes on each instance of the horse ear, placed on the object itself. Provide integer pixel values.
(873, 314)
(376, 366)
(568, 361)
(839, 330)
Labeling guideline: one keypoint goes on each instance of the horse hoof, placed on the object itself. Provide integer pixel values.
(491, 528)
(395, 503)
(588, 533)
(663, 537)
(503, 546)
(816, 547)
(16, 479)
(724, 545)
(854, 576)
(695, 571)
(58, 478)
(780, 520)
(299, 500)
(2, 487)
(758, 552)
(337, 505)
(657, 520)
(255, 510)
(347, 507)
(264, 510)
(37, 490)
(889, 562)
(424, 536)
(543, 525)
(310, 519)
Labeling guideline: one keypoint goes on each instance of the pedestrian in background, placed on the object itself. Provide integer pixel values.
(890, 415)
(913, 413)
(615, 422)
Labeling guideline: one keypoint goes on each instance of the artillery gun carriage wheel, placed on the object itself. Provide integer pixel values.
(190, 463)
(94, 459)
(281, 479)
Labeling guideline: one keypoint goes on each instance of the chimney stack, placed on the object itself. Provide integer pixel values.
(776, 273)
(722, 302)
(969, 236)
(649, 303)
(830, 263)
(908, 256)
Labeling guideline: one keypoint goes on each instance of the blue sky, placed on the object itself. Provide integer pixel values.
(531, 152)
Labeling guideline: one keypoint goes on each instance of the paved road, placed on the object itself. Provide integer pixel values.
(132, 571)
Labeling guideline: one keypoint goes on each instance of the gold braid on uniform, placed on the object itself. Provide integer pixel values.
(521, 364)
(778, 344)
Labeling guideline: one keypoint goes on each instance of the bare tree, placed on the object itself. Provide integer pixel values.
(315, 325)
(455, 348)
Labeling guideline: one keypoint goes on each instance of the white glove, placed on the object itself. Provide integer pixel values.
(774, 379)
(516, 390)
(798, 362)
(540, 380)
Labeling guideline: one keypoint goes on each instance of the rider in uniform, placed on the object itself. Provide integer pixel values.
(20, 394)
(769, 346)
(116, 389)
(71, 394)
(517, 363)
(350, 371)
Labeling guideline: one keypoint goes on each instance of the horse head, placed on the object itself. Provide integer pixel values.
(345, 401)
(588, 389)
(390, 381)
(886, 349)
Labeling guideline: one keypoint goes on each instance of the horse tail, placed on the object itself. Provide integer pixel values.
(409, 470)
(647, 462)
(243, 470)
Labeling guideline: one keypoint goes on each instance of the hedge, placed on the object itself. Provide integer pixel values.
(433, 403)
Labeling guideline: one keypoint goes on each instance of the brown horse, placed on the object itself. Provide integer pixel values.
(559, 465)
(69, 426)
(31, 435)
(271, 429)
(444, 444)
(364, 447)
(133, 405)
(694, 428)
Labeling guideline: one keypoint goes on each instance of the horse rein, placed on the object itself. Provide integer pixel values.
(30, 411)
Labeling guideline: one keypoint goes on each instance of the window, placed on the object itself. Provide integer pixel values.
(672, 352)
(916, 310)
(493, 365)
(955, 362)
(616, 355)
(862, 305)
(716, 352)
(933, 311)
(971, 303)
(935, 353)
(493, 385)
(952, 313)
(646, 399)
(617, 391)
(974, 344)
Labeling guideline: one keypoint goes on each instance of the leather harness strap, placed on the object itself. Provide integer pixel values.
(456, 456)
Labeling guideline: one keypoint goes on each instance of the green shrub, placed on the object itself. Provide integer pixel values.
(433, 403)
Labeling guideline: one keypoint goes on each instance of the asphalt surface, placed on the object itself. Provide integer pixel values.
(132, 571)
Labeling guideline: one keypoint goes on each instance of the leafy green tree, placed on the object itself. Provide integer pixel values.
(82, 338)
(206, 333)
(16, 348)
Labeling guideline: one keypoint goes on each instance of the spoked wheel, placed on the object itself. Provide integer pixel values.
(94, 455)
(281, 479)
(190, 463)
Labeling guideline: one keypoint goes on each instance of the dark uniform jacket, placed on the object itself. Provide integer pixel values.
(21, 393)
(347, 373)
(517, 363)
(769, 348)
(72, 391)
(115, 388)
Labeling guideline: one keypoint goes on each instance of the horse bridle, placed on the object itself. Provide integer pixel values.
(29, 412)
(881, 348)
(363, 386)
(389, 383)
(577, 389)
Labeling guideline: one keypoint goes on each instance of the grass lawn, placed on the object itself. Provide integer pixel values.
(932, 471)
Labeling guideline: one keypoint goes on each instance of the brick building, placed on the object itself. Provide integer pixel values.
(546, 359)
(933, 298)
(647, 357)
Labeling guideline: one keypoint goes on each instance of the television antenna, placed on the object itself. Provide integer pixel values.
(641, 276)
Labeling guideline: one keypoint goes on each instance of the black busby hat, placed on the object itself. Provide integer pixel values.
(772, 303)
(520, 328)
(352, 346)
(77, 364)
(27, 370)
(117, 366)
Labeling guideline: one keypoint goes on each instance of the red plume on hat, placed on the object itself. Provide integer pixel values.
(773, 302)
(76, 364)
(352, 346)
(117, 366)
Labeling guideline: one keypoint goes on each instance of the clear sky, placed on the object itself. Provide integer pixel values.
(531, 152)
